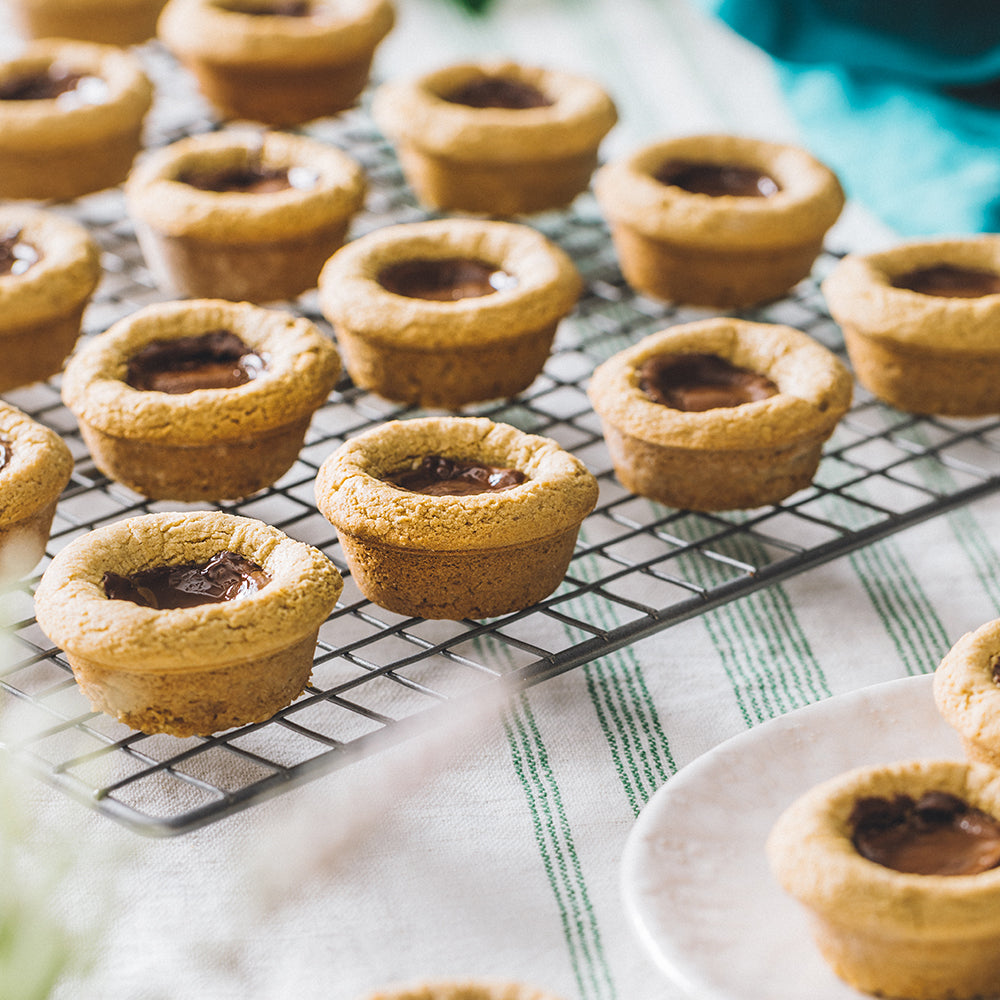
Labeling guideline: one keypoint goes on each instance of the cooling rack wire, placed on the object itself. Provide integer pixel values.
(638, 568)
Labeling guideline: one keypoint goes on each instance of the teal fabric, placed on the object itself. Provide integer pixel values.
(900, 99)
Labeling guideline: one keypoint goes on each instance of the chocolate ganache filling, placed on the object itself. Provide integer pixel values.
(215, 360)
(698, 382)
(224, 577)
(57, 83)
(949, 282)
(16, 256)
(5, 453)
(444, 280)
(280, 8)
(498, 92)
(938, 834)
(716, 179)
(251, 178)
(438, 476)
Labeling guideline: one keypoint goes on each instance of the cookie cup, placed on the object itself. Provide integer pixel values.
(730, 457)
(38, 467)
(279, 70)
(501, 161)
(453, 557)
(127, 22)
(187, 671)
(721, 251)
(921, 353)
(50, 150)
(257, 247)
(923, 937)
(41, 310)
(209, 444)
(967, 692)
(462, 990)
(447, 354)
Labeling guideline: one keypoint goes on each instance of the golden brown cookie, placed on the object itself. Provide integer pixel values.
(243, 216)
(717, 220)
(455, 556)
(450, 311)
(212, 438)
(35, 466)
(165, 667)
(277, 62)
(495, 136)
(967, 692)
(738, 452)
(893, 933)
(462, 990)
(920, 322)
(71, 116)
(49, 270)
(125, 22)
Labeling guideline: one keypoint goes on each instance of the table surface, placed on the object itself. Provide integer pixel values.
(491, 847)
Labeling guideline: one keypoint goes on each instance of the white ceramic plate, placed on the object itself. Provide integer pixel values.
(695, 880)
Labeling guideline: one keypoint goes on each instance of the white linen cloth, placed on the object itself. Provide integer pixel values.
(491, 848)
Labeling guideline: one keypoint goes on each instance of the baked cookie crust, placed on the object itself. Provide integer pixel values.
(208, 444)
(49, 151)
(127, 22)
(728, 457)
(923, 937)
(498, 160)
(726, 250)
(41, 309)
(447, 354)
(192, 670)
(967, 692)
(37, 470)
(918, 352)
(278, 70)
(455, 557)
(258, 247)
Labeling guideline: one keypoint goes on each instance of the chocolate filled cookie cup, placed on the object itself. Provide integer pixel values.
(243, 216)
(49, 270)
(455, 517)
(967, 692)
(188, 623)
(719, 414)
(126, 22)
(450, 311)
(920, 322)
(717, 220)
(495, 136)
(71, 118)
(897, 867)
(35, 466)
(274, 61)
(200, 399)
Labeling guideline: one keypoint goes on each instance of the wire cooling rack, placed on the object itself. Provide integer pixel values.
(639, 567)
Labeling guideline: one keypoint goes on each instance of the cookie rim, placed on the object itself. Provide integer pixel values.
(809, 201)
(558, 493)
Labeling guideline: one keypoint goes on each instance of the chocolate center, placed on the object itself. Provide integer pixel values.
(438, 476)
(216, 360)
(950, 282)
(698, 382)
(16, 256)
(55, 84)
(498, 92)
(280, 8)
(250, 179)
(5, 453)
(444, 280)
(716, 179)
(939, 834)
(224, 577)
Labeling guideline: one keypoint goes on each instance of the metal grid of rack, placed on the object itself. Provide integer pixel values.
(639, 567)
